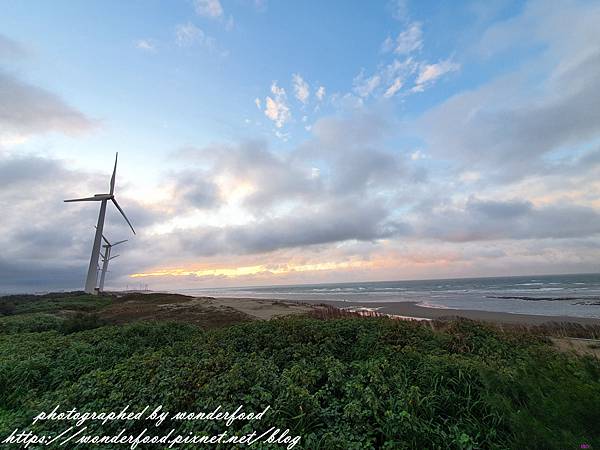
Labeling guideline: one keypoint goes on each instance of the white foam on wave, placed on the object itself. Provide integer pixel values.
(396, 316)
(426, 304)
(360, 309)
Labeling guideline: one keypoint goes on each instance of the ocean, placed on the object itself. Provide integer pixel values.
(552, 295)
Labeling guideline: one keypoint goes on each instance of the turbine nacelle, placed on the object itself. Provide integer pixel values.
(105, 197)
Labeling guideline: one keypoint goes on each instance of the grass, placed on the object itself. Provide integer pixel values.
(555, 329)
(341, 383)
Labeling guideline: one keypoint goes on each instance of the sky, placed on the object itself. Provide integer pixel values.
(268, 142)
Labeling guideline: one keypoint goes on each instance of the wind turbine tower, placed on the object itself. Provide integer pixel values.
(106, 257)
(92, 274)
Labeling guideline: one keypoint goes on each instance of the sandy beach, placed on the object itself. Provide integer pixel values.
(265, 309)
(207, 312)
(260, 308)
(225, 310)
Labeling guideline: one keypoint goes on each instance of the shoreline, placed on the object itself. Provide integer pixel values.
(412, 310)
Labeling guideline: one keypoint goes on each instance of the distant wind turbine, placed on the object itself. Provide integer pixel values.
(92, 275)
(106, 257)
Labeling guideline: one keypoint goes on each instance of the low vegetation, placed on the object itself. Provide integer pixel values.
(340, 383)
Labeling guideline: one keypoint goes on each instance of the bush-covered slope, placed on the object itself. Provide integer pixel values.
(340, 384)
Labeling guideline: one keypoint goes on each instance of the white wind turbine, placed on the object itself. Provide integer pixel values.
(106, 257)
(92, 275)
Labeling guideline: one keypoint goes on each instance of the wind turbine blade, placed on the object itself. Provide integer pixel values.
(120, 242)
(86, 199)
(112, 180)
(103, 237)
(121, 211)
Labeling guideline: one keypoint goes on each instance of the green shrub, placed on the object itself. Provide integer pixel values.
(28, 323)
(7, 307)
(75, 301)
(80, 322)
(340, 384)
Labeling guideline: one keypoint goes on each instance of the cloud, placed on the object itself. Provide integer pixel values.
(27, 110)
(261, 178)
(481, 220)
(320, 94)
(528, 123)
(10, 49)
(400, 10)
(303, 227)
(188, 34)
(276, 107)
(361, 128)
(510, 129)
(147, 45)
(391, 77)
(364, 87)
(395, 74)
(352, 150)
(407, 41)
(196, 190)
(292, 202)
(18, 277)
(301, 89)
(17, 173)
(429, 73)
(393, 88)
(208, 8)
(342, 160)
(310, 227)
(417, 154)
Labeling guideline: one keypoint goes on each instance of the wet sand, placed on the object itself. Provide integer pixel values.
(414, 310)
(272, 307)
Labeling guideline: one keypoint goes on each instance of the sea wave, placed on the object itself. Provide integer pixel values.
(426, 304)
